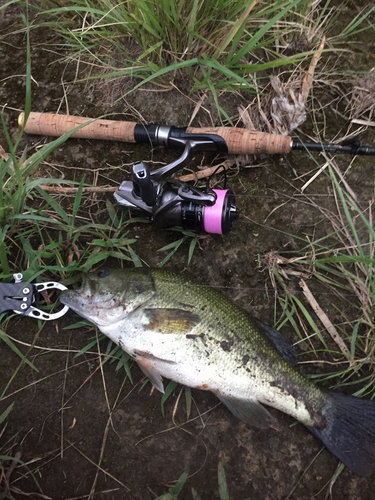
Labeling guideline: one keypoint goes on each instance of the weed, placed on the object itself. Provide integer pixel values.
(5, 413)
(41, 236)
(176, 489)
(28, 213)
(342, 261)
(175, 245)
(223, 490)
(112, 352)
(218, 43)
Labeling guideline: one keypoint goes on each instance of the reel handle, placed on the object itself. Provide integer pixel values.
(143, 185)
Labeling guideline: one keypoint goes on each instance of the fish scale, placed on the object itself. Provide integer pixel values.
(178, 329)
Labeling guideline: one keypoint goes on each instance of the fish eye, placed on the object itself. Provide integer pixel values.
(103, 273)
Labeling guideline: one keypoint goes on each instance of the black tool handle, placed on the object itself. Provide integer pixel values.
(16, 296)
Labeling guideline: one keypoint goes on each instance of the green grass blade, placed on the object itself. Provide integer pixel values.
(167, 392)
(5, 413)
(310, 320)
(72, 9)
(4, 337)
(112, 212)
(179, 485)
(262, 32)
(223, 487)
(192, 246)
(350, 29)
(88, 346)
(333, 479)
(235, 32)
(37, 158)
(54, 204)
(12, 153)
(4, 6)
(28, 67)
(195, 495)
(5, 268)
(161, 72)
(136, 260)
(191, 23)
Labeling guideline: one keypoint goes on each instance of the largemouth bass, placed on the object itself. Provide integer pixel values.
(178, 329)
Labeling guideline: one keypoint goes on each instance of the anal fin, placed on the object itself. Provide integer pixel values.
(249, 411)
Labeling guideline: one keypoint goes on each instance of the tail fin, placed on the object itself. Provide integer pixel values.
(350, 432)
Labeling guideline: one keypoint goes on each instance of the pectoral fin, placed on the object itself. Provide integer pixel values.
(250, 412)
(170, 320)
(146, 362)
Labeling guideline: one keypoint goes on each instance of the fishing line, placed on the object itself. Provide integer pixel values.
(264, 290)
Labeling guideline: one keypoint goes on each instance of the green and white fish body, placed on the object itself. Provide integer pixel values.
(178, 329)
(200, 360)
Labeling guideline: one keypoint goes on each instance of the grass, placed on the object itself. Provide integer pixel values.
(29, 213)
(214, 45)
(175, 490)
(167, 32)
(343, 262)
(44, 236)
(175, 245)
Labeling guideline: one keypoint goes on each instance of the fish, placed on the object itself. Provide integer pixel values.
(177, 328)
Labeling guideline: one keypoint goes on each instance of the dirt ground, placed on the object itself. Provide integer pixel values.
(60, 422)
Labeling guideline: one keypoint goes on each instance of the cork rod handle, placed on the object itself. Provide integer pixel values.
(243, 141)
(57, 125)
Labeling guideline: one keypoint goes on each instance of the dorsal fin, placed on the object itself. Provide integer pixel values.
(282, 345)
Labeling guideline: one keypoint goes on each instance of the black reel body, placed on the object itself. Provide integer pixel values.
(171, 203)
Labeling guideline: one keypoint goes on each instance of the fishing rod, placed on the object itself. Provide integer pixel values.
(230, 140)
(165, 201)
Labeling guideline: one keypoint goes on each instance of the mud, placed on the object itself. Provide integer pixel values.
(74, 413)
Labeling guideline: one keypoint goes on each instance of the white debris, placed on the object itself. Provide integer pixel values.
(288, 111)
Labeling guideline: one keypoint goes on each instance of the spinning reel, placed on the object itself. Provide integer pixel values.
(171, 203)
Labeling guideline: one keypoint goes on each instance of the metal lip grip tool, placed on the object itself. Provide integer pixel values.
(21, 296)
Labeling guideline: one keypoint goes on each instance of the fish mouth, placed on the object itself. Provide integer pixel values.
(91, 302)
(73, 299)
(82, 294)
(86, 296)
